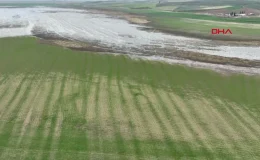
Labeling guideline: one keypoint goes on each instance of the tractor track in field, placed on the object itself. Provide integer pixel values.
(125, 112)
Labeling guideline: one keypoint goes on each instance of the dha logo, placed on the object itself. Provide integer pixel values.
(218, 31)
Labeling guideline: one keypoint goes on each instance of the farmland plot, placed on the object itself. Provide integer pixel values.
(64, 104)
(50, 115)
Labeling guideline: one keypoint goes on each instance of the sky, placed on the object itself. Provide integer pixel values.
(39, 0)
(6, 1)
(53, 0)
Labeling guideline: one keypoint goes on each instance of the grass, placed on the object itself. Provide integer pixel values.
(61, 104)
(203, 27)
(157, 13)
(178, 22)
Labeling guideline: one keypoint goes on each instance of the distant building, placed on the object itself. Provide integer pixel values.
(234, 14)
(241, 14)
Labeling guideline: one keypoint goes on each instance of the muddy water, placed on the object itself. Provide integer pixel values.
(104, 30)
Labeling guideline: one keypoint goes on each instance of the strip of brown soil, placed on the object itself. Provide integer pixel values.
(238, 43)
(213, 59)
(167, 53)
(74, 45)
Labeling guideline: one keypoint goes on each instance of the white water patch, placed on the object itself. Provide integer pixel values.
(216, 67)
(104, 30)
(252, 53)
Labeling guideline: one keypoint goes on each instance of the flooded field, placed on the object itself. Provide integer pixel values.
(104, 30)
(63, 104)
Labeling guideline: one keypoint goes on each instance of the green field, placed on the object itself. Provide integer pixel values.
(171, 21)
(173, 18)
(61, 104)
